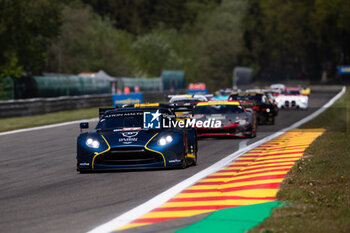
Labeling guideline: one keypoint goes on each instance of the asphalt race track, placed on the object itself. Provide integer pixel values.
(41, 191)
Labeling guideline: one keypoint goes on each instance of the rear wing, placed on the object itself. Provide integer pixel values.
(182, 110)
(192, 96)
(102, 111)
(209, 96)
(255, 90)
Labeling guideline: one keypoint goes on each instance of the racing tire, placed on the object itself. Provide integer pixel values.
(195, 160)
(252, 134)
(184, 163)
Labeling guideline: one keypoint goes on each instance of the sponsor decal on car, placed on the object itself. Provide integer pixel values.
(174, 161)
(129, 137)
(126, 129)
(127, 140)
(130, 134)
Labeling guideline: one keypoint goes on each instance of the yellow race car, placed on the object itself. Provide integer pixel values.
(305, 90)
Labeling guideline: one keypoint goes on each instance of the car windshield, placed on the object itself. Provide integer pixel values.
(290, 92)
(187, 100)
(256, 98)
(132, 119)
(218, 109)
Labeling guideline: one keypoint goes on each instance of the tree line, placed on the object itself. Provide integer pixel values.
(303, 39)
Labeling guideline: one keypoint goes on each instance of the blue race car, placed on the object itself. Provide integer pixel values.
(135, 137)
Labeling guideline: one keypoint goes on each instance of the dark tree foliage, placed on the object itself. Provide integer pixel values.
(206, 38)
(89, 43)
(297, 38)
(26, 28)
(140, 16)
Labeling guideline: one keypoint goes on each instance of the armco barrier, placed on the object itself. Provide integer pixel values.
(29, 107)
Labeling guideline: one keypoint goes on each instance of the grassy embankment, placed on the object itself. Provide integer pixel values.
(7, 124)
(318, 186)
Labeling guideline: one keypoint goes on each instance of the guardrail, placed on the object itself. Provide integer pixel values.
(35, 106)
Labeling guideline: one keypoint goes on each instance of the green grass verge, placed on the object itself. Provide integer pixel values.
(7, 124)
(318, 186)
(232, 220)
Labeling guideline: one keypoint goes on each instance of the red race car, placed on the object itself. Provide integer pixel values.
(235, 120)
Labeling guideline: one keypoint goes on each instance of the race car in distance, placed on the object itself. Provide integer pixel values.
(130, 138)
(193, 99)
(270, 94)
(291, 97)
(258, 101)
(277, 86)
(235, 119)
(223, 94)
(305, 90)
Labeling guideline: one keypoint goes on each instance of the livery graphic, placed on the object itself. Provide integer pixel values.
(130, 134)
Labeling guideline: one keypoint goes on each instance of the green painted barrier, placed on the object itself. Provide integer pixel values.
(68, 85)
(145, 84)
(7, 89)
(173, 79)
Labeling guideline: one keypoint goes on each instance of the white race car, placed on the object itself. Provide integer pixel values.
(292, 98)
(277, 87)
(188, 98)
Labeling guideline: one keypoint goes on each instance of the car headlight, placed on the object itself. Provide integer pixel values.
(165, 140)
(303, 101)
(278, 100)
(93, 143)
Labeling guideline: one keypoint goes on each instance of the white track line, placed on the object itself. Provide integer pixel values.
(46, 127)
(160, 199)
(243, 144)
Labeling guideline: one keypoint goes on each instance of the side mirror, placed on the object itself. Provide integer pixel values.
(84, 125)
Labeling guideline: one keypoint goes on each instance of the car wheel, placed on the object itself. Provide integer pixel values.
(195, 160)
(253, 133)
(184, 163)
